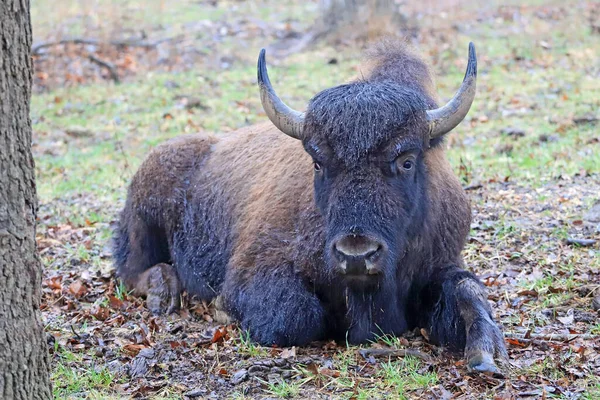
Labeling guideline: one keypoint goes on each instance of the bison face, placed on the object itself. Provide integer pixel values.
(368, 141)
(371, 208)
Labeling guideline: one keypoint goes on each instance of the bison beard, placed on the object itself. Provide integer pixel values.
(350, 226)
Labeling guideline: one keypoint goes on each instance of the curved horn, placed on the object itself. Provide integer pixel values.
(287, 120)
(442, 120)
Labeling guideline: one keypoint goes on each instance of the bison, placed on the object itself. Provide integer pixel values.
(345, 221)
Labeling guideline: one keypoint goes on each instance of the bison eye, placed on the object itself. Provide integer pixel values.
(317, 166)
(404, 163)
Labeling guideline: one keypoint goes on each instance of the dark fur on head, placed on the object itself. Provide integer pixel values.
(356, 119)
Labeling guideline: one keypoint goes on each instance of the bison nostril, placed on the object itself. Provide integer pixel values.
(339, 254)
(357, 254)
(356, 247)
(372, 255)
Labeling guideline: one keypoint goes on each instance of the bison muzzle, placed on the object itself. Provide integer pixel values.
(345, 221)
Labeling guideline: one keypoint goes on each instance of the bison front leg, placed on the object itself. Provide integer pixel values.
(459, 317)
(160, 285)
(275, 306)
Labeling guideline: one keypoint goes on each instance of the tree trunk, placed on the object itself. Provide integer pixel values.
(24, 360)
(353, 20)
(350, 22)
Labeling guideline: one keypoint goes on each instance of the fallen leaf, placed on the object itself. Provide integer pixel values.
(329, 372)
(78, 289)
(100, 313)
(567, 319)
(54, 283)
(313, 369)
(288, 353)
(45, 243)
(133, 349)
(219, 335)
(114, 302)
(516, 342)
(532, 293)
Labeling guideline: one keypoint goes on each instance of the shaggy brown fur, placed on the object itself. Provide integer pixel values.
(246, 215)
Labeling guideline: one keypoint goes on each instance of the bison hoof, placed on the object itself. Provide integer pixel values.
(487, 348)
(163, 290)
(483, 363)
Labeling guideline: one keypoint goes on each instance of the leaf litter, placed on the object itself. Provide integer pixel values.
(535, 246)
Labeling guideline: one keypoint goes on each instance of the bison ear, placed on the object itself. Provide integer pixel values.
(442, 120)
(287, 120)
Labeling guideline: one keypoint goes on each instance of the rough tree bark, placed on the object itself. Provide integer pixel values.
(24, 360)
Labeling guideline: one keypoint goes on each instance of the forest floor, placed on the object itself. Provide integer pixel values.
(528, 155)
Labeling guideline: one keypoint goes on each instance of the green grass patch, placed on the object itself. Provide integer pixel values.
(70, 381)
(400, 377)
(283, 389)
(248, 347)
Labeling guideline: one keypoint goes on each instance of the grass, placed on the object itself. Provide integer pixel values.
(82, 179)
(69, 382)
(107, 18)
(128, 120)
(249, 348)
(388, 340)
(405, 375)
(399, 379)
(592, 392)
(121, 291)
(84, 381)
(283, 389)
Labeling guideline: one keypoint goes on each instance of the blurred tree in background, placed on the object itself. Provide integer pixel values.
(361, 19)
(353, 21)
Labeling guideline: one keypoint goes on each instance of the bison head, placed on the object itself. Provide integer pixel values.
(368, 139)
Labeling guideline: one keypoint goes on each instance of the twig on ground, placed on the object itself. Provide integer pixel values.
(473, 186)
(35, 50)
(581, 242)
(366, 353)
(586, 119)
(552, 337)
(75, 333)
(112, 69)
(588, 290)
